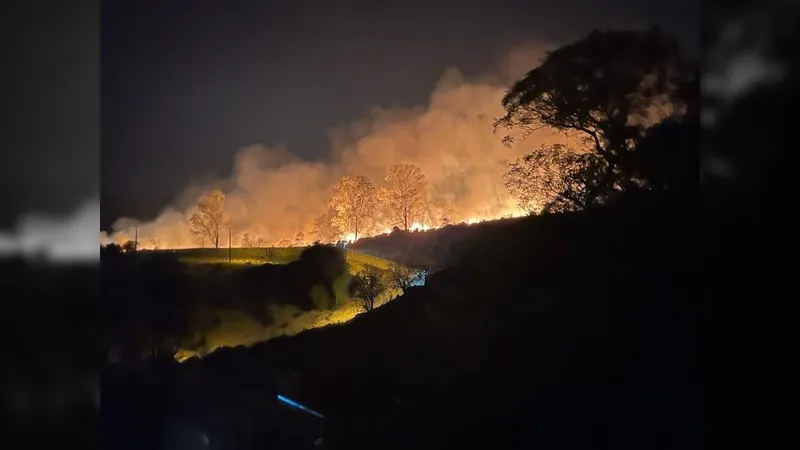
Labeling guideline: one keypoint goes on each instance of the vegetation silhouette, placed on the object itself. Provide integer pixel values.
(605, 89)
(368, 285)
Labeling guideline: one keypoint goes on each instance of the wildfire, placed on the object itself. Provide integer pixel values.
(416, 226)
(149, 240)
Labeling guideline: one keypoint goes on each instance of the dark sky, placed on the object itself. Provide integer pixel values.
(186, 84)
(49, 107)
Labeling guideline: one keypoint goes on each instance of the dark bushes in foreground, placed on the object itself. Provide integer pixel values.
(154, 304)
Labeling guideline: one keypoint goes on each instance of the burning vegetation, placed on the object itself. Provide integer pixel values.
(427, 167)
(574, 146)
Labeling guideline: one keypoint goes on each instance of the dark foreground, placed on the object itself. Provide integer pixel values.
(563, 331)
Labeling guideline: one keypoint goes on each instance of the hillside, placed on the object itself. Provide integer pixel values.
(427, 249)
(581, 329)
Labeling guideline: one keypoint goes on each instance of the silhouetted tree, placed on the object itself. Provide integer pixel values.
(300, 239)
(323, 264)
(603, 88)
(667, 156)
(405, 194)
(129, 247)
(402, 277)
(354, 198)
(367, 286)
(210, 217)
(110, 251)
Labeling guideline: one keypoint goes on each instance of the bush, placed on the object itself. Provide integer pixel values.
(367, 286)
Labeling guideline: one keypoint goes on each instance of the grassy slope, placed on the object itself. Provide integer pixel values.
(239, 327)
(274, 255)
(581, 329)
(428, 249)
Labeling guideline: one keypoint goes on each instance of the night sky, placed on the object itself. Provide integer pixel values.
(186, 84)
(49, 108)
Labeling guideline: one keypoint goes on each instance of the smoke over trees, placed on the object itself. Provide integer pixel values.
(274, 194)
(404, 195)
(252, 241)
(210, 217)
(603, 89)
(354, 198)
(325, 229)
(596, 96)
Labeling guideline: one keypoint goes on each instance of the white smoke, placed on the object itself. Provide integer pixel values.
(275, 195)
(56, 239)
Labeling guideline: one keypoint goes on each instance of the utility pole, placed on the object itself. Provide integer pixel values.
(230, 242)
(136, 238)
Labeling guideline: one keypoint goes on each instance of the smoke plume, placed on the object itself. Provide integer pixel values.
(275, 195)
(55, 239)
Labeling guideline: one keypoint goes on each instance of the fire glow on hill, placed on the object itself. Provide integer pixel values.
(274, 198)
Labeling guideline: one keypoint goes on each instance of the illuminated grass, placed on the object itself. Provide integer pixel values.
(239, 328)
(275, 255)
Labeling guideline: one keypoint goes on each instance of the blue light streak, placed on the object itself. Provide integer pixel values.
(294, 404)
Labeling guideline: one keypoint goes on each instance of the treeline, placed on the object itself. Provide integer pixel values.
(353, 201)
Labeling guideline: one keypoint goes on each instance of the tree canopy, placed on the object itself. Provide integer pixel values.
(605, 89)
(210, 217)
(405, 194)
(354, 198)
(367, 286)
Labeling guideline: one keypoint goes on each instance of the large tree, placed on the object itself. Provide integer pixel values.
(354, 198)
(604, 89)
(210, 217)
(405, 194)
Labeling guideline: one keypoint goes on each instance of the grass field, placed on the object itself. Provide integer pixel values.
(272, 255)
